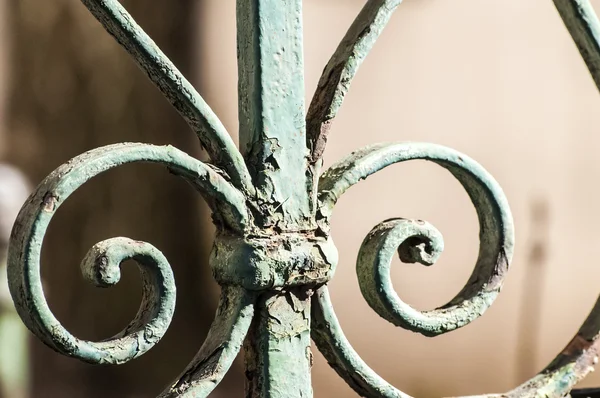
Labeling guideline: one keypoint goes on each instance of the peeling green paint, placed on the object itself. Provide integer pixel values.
(273, 254)
(278, 358)
(273, 262)
(224, 341)
(496, 236)
(341, 69)
(174, 86)
(271, 110)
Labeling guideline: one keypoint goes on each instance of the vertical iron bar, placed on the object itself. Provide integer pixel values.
(277, 350)
(273, 142)
(533, 289)
(271, 109)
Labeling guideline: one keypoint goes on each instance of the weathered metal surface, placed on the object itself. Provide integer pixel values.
(583, 25)
(174, 86)
(341, 69)
(224, 340)
(272, 139)
(271, 110)
(415, 241)
(277, 350)
(273, 254)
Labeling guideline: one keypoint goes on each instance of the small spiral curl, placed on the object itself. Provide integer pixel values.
(415, 241)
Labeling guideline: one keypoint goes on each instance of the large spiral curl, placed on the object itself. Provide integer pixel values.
(418, 241)
(101, 265)
(414, 241)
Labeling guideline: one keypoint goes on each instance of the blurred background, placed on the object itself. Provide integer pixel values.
(499, 80)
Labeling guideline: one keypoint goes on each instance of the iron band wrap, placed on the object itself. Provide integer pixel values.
(271, 262)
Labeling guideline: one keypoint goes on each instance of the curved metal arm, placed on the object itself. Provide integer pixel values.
(224, 341)
(341, 69)
(583, 25)
(101, 264)
(570, 366)
(174, 86)
(329, 338)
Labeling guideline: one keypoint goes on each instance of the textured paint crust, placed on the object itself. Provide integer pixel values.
(271, 110)
(274, 254)
(496, 236)
(341, 69)
(273, 262)
(278, 356)
(101, 264)
(174, 86)
(224, 341)
(414, 241)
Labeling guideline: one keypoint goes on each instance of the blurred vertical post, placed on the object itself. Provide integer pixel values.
(14, 337)
(532, 299)
(14, 352)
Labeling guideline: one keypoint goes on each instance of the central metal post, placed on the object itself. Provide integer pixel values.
(273, 142)
(271, 110)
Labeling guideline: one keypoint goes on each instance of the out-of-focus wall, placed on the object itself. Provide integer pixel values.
(3, 72)
(499, 80)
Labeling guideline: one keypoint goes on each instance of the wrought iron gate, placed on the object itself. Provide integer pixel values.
(273, 253)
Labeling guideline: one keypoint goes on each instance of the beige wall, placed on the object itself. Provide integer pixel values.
(499, 80)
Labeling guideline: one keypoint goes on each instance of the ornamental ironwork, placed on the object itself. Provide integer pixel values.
(271, 201)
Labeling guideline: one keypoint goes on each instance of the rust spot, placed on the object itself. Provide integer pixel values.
(310, 357)
(576, 346)
(500, 271)
(320, 141)
(49, 203)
